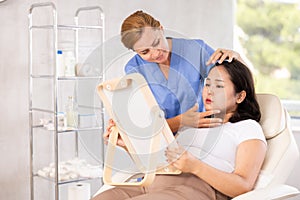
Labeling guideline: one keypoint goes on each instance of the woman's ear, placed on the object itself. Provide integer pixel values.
(241, 96)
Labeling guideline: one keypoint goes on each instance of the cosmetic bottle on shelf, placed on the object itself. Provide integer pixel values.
(60, 63)
(71, 113)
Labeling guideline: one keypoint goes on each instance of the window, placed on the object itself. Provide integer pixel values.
(268, 32)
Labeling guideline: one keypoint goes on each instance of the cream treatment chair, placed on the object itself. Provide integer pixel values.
(142, 126)
(282, 152)
(280, 160)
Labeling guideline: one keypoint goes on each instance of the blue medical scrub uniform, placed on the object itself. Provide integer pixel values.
(183, 88)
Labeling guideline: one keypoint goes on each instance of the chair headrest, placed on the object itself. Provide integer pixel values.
(272, 115)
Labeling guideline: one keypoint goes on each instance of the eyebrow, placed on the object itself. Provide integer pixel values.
(219, 80)
(141, 50)
(155, 42)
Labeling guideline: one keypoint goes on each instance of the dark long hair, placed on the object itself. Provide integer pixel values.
(242, 79)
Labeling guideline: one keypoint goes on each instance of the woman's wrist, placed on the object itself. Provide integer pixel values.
(175, 123)
(196, 168)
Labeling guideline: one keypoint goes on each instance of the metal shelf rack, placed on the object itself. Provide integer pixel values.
(55, 81)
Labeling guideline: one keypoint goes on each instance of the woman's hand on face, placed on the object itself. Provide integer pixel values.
(181, 159)
(193, 118)
(110, 127)
(221, 54)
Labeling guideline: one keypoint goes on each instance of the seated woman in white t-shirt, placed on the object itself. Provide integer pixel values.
(217, 163)
(228, 157)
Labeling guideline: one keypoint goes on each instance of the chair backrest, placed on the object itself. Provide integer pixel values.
(282, 152)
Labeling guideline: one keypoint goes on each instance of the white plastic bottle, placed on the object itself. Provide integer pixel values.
(70, 63)
(71, 113)
(60, 63)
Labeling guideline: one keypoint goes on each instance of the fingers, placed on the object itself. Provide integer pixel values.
(214, 57)
(225, 54)
(193, 118)
(208, 119)
(105, 137)
(209, 113)
(106, 134)
(111, 122)
(222, 54)
(209, 123)
(173, 154)
(120, 143)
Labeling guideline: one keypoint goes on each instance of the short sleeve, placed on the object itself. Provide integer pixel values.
(250, 130)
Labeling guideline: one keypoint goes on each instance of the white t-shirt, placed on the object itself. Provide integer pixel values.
(217, 146)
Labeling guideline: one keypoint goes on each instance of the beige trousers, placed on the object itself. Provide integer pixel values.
(166, 187)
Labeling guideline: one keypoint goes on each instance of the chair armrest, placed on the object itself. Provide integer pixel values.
(270, 192)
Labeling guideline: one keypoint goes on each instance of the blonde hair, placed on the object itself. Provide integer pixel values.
(133, 26)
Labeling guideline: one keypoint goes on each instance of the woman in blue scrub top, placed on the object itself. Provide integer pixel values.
(174, 68)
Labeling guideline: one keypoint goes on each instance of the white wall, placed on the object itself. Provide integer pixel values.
(209, 20)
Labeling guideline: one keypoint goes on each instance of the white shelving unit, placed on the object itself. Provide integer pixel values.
(55, 149)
